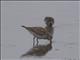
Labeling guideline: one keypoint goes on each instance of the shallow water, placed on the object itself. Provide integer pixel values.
(16, 41)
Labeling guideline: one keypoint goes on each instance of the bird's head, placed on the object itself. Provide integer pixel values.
(49, 21)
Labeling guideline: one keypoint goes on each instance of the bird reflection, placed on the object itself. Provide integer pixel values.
(38, 50)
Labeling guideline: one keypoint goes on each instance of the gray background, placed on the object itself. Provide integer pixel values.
(15, 41)
(40, 0)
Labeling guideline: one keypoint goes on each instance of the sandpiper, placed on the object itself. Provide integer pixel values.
(40, 32)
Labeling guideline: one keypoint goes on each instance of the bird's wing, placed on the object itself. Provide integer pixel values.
(37, 30)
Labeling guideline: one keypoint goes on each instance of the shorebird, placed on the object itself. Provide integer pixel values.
(40, 32)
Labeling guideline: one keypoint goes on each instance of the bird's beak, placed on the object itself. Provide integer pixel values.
(50, 24)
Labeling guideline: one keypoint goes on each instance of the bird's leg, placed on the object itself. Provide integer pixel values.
(33, 41)
(53, 43)
(50, 41)
(37, 41)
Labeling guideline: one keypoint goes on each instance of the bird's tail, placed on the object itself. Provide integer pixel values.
(28, 28)
(23, 26)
